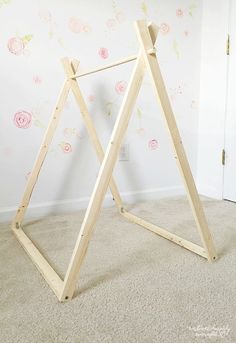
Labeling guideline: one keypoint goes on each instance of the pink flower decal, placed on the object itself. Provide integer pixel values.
(164, 28)
(23, 119)
(103, 53)
(111, 24)
(45, 16)
(153, 144)
(75, 25)
(121, 87)
(179, 12)
(141, 131)
(91, 98)
(36, 79)
(86, 28)
(16, 45)
(66, 147)
(120, 17)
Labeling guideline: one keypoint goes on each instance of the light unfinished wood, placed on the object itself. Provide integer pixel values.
(103, 177)
(41, 155)
(146, 59)
(40, 262)
(162, 96)
(102, 180)
(165, 234)
(69, 70)
(106, 66)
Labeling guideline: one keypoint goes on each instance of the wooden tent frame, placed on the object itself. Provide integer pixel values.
(145, 59)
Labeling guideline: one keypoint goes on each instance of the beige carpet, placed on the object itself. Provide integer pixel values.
(134, 286)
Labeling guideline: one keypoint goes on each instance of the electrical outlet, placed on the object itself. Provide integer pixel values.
(124, 152)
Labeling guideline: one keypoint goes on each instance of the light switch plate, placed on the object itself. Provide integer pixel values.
(124, 152)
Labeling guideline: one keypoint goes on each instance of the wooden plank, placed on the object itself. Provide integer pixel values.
(41, 155)
(153, 31)
(162, 96)
(107, 66)
(69, 70)
(40, 262)
(166, 234)
(146, 58)
(102, 180)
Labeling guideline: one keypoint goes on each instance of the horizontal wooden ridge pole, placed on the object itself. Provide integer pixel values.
(107, 66)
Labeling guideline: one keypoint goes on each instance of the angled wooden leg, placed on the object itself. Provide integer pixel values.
(41, 155)
(70, 69)
(102, 180)
(161, 94)
(64, 289)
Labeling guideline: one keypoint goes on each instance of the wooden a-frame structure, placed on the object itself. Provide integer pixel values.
(145, 60)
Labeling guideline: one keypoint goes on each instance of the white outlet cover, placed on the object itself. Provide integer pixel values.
(124, 152)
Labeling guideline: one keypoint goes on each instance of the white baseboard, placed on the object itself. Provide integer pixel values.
(210, 192)
(72, 205)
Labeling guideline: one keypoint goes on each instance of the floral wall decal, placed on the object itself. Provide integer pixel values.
(37, 121)
(111, 24)
(37, 34)
(113, 104)
(86, 28)
(36, 79)
(103, 53)
(4, 2)
(179, 13)
(176, 92)
(16, 45)
(176, 48)
(118, 18)
(140, 130)
(69, 132)
(193, 104)
(144, 7)
(191, 9)
(76, 25)
(45, 16)
(120, 87)
(66, 147)
(153, 144)
(164, 28)
(118, 13)
(91, 98)
(22, 119)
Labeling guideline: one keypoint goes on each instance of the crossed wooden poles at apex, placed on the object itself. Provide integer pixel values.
(145, 60)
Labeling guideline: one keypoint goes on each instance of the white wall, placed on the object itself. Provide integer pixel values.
(213, 85)
(34, 36)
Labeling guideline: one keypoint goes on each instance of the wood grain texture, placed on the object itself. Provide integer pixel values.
(162, 97)
(146, 59)
(103, 180)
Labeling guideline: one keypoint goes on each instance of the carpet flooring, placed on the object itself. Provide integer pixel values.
(134, 286)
